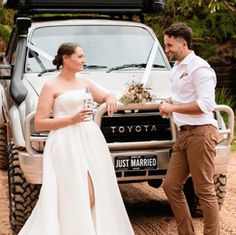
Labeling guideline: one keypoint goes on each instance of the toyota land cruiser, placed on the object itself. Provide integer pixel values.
(117, 52)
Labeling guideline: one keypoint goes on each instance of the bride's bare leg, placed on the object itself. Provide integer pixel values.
(91, 191)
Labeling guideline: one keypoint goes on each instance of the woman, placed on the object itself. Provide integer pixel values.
(79, 194)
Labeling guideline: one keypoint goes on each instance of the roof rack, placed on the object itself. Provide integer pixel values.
(28, 7)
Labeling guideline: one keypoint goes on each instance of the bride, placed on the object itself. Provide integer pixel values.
(79, 194)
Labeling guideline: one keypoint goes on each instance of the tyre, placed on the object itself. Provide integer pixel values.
(3, 148)
(220, 181)
(220, 187)
(22, 195)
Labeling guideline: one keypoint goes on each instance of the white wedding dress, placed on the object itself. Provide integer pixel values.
(70, 153)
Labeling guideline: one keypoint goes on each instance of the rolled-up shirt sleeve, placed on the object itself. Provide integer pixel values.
(205, 83)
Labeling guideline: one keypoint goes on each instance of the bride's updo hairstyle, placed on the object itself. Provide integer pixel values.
(66, 48)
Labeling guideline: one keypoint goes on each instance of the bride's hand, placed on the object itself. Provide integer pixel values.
(111, 104)
(82, 116)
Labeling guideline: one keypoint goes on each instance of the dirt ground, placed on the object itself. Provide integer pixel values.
(150, 213)
(148, 208)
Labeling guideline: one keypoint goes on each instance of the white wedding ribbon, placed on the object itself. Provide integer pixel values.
(39, 51)
(148, 68)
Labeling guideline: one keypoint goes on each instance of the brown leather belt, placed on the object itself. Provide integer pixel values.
(190, 127)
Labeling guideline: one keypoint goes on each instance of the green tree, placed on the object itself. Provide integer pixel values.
(6, 22)
(213, 23)
(216, 5)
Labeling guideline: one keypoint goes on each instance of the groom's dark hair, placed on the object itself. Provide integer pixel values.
(180, 30)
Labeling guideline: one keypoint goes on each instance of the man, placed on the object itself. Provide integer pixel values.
(192, 102)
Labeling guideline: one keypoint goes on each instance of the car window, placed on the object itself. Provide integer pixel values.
(104, 45)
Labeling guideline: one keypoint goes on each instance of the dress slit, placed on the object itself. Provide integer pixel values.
(93, 208)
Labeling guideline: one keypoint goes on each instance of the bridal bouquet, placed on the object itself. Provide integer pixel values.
(136, 93)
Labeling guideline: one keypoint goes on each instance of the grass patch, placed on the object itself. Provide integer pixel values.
(223, 96)
(233, 145)
(5, 32)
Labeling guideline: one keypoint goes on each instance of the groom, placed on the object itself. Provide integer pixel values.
(192, 102)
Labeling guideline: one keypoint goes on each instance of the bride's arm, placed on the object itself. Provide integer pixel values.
(101, 95)
(43, 121)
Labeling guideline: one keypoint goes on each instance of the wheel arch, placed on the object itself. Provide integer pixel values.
(16, 126)
(3, 106)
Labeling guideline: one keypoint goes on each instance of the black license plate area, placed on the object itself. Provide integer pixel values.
(140, 162)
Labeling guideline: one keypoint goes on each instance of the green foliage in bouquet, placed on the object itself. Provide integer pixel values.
(136, 93)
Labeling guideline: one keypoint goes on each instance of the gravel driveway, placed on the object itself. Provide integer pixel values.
(148, 208)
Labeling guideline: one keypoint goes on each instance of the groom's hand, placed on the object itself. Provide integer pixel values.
(165, 108)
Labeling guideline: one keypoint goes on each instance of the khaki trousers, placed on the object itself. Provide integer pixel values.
(193, 153)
